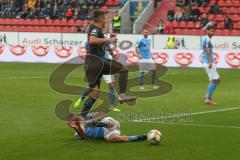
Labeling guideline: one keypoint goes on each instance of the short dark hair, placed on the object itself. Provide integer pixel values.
(97, 14)
(210, 27)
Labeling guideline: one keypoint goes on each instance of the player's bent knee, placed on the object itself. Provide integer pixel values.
(95, 92)
(110, 85)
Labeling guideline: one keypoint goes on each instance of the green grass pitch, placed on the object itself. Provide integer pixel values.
(30, 130)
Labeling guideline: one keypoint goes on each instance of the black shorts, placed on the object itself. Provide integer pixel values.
(96, 67)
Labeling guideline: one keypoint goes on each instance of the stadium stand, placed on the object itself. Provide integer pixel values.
(188, 17)
(50, 15)
(224, 14)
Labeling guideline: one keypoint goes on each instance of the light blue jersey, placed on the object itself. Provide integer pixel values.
(206, 43)
(143, 45)
(93, 132)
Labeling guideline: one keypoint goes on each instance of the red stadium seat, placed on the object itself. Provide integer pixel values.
(224, 9)
(20, 22)
(197, 24)
(21, 28)
(36, 29)
(109, 3)
(27, 22)
(190, 25)
(57, 22)
(14, 21)
(201, 32)
(1, 28)
(35, 22)
(177, 31)
(8, 28)
(49, 22)
(228, 3)
(235, 17)
(116, 2)
(65, 29)
(211, 2)
(1, 21)
(175, 24)
(79, 23)
(104, 8)
(187, 32)
(58, 29)
(235, 32)
(205, 9)
(221, 3)
(73, 29)
(237, 25)
(236, 3)
(43, 29)
(51, 29)
(220, 25)
(42, 22)
(29, 29)
(231, 10)
(7, 21)
(15, 28)
(225, 32)
(64, 22)
(182, 24)
(219, 17)
(218, 32)
(70, 22)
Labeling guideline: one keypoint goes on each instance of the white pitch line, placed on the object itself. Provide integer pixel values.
(189, 124)
(33, 77)
(190, 114)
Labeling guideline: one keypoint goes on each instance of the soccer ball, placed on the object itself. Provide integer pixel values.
(154, 137)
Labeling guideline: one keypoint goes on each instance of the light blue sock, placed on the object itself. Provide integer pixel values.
(112, 96)
(132, 138)
(211, 89)
(141, 78)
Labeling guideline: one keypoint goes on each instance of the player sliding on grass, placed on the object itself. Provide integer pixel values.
(97, 126)
(209, 65)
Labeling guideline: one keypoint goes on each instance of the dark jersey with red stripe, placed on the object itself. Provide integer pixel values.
(96, 49)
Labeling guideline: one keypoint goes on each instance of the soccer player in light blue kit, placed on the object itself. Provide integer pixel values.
(209, 65)
(146, 62)
(97, 126)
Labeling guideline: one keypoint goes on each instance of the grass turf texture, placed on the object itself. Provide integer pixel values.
(30, 130)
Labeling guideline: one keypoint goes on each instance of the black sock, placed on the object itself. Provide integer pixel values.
(142, 137)
(87, 106)
(98, 124)
(86, 91)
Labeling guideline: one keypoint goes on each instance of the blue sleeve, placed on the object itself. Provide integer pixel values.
(206, 42)
(139, 43)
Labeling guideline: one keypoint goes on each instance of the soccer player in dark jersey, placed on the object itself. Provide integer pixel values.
(97, 65)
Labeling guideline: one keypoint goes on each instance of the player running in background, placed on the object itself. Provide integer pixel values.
(146, 62)
(97, 126)
(97, 65)
(209, 65)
